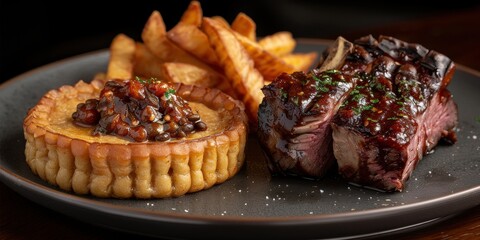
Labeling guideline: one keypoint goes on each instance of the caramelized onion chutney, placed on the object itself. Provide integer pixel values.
(140, 110)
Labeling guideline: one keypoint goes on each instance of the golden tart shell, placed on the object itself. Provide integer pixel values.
(107, 166)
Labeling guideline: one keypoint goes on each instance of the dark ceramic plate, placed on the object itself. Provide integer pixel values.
(253, 204)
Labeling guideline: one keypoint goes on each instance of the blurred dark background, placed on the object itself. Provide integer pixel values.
(39, 32)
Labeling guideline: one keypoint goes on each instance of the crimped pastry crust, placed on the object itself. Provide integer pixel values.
(69, 157)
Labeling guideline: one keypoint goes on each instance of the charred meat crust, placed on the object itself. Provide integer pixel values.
(294, 130)
(398, 110)
(391, 108)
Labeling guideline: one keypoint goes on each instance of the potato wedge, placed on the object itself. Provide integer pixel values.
(188, 37)
(193, 15)
(244, 25)
(187, 74)
(226, 86)
(280, 43)
(146, 64)
(100, 76)
(221, 20)
(155, 38)
(269, 65)
(122, 51)
(192, 75)
(191, 39)
(300, 61)
(237, 64)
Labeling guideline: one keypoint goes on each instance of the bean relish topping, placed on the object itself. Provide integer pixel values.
(140, 110)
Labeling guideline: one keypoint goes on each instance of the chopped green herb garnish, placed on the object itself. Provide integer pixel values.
(400, 103)
(390, 95)
(372, 120)
(354, 92)
(374, 84)
(146, 81)
(322, 89)
(295, 100)
(367, 107)
(392, 118)
(357, 97)
(327, 80)
(323, 81)
(168, 94)
(344, 103)
(374, 100)
(283, 94)
(360, 109)
(332, 71)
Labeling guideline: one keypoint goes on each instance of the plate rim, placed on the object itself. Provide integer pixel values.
(11, 178)
(58, 194)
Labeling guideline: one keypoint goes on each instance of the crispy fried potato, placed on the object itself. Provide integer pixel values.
(194, 41)
(192, 75)
(122, 51)
(300, 61)
(100, 76)
(193, 15)
(244, 25)
(237, 64)
(269, 65)
(155, 38)
(280, 43)
(214, 55)
(146, 64)
(221, 20)
(188, 37)
(226, 87)
(187, 74)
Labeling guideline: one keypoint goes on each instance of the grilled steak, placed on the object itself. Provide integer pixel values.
(397, 112)
(385, 104)
(295, 114)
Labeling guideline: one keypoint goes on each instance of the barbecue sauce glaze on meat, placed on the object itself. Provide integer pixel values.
(295, 118)
(394, 111)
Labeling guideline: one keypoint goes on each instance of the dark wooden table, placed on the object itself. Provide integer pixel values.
(457, 35)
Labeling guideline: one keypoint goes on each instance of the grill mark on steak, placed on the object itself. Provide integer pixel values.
(296, 138)
(391, 110)
(411, 112)
(295, 114)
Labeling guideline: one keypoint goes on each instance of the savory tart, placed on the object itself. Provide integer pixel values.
(91, 139)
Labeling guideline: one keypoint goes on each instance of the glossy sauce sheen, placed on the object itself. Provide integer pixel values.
(398, 111)
(310, 92)
(377, 112)
(139, 110)
(294, 119)
(397, 81)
